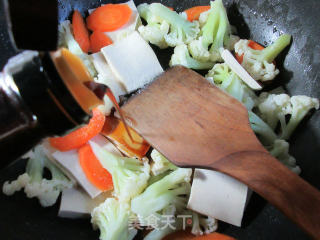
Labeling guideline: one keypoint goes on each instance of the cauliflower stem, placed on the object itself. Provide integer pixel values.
(215, 32)
(159, 195)
(258, 63)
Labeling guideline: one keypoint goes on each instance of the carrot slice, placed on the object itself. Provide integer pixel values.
(80, 31)
(171, 8)
(93, 169)
(253, 45)
(184, 235)
(109, 17)
(80, 136)
(194, 12)
(99, 40)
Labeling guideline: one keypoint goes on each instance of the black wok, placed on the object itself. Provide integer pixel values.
(261, 20)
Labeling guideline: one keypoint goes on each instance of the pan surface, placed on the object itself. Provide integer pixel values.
(260, 20)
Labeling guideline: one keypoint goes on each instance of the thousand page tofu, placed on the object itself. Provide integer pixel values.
(133, 61)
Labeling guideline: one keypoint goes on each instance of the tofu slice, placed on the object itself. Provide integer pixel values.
(76, 203)
(219, 196)
(133, 61)
(69, 161)
(133, 23)
(106, 76)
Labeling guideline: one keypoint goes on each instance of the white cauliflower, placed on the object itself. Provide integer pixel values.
(203, 18)
(129, 175)
(199, 50)
(46, 190)
(160, 163)
(180, 30)
(300, 106)
(155, 33)
(274, 108)
(280, 150)
(112, 218)
(203, 224)
(259, 63)
(182, 57)
(227, 80)
(215, 34)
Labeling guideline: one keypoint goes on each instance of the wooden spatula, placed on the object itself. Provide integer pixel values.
(195, 124)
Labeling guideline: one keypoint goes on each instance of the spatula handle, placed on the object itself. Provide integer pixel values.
(265, 175)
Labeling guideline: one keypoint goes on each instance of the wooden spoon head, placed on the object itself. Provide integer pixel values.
(190, 121)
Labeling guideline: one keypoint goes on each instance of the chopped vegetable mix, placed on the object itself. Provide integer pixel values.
(253, 45)
(145, 184)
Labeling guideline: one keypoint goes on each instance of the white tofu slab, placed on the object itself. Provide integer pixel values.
(106, 76)
(49, 150)
(76, 203)
(217, 195)
(133, 23)
(70, 162)
(133, 61)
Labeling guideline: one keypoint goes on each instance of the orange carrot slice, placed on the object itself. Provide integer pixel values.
(194, 12)
(80, 136)
(93, 169)
(99, 40)
(109, 17)
(171, 8)
(184, 235)
(80, 31)
(253, 45)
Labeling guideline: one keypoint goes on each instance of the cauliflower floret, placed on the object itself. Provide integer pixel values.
(182, 57)
(112, 218)
(280, 150)
(16, 185)
(258, 63)
(170, 190)
(47, 191)
(300, 105)
(180, 30)
(160, 163)
(227, 80)
(199, 50)
(203, 224)
(215, 34)
(129, 175)
(274, 108)
(265, 132)
(203, 18)
(155, 33)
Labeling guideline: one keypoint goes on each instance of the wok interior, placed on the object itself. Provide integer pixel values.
(260, 20)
